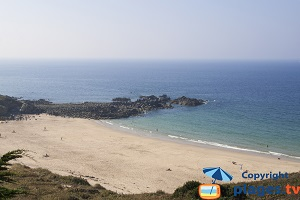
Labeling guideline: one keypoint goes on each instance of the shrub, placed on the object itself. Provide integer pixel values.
(189, 189)
(77, 181)
(160, 192)
(5, 175)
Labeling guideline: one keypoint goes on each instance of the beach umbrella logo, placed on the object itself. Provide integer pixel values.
(217, 174)
(213, 191)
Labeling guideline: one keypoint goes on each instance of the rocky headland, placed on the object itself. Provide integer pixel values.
(13, 108)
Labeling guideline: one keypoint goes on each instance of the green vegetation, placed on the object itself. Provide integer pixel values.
(189, 189)
(5, 175)
(42, 184)
(21, 182)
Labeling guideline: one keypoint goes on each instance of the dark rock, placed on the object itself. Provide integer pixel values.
(121, 107)
(148, 98)
(164, 98)
(3, 110)
(9, 106)
(29, 107)
(121, 100)
(42, 101)
(185, 101)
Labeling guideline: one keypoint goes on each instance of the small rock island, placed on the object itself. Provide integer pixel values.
(120, 107)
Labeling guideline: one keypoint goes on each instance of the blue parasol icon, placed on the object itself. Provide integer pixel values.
(217, 174)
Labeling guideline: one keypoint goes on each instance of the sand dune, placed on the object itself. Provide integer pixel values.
(120, 161)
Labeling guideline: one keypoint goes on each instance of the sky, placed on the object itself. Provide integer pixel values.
(153, 29)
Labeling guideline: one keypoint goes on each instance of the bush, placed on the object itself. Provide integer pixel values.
(77, 181)
(5, 175)
(189, 189)
(160, 192)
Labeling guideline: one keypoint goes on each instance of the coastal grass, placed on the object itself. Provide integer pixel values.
(5, 174)
(42, 184)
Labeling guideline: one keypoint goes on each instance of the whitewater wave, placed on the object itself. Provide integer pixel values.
(108, 122)
(125, 127)
(213, 143)
(231, 147)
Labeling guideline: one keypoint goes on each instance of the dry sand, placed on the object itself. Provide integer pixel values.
(120, 161)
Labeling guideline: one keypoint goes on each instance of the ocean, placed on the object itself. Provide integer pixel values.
(253, 105)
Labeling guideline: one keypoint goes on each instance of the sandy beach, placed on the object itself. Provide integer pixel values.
(120, 161)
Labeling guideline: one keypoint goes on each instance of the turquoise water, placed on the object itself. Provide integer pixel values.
(251, 104)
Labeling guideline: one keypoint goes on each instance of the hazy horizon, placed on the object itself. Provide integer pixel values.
(144, 30)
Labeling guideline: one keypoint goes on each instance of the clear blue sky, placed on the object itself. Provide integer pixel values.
(153, 29)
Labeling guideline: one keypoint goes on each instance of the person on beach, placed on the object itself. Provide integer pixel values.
(241, 167)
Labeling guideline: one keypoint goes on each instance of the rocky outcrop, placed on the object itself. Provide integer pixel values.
(9, 106)
(90, 110)
(121, 100)
(185, 101)
(164, 98)
(29, 107)
(120, 107)
(3, 110)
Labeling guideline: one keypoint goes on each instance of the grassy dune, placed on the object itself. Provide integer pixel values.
(43, 184)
